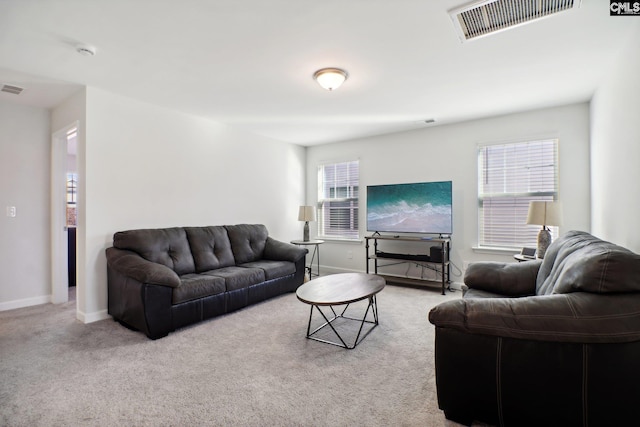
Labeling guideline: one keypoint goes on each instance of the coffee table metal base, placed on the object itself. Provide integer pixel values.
(372, 307)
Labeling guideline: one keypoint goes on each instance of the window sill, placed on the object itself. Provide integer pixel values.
(495, 250)
(339, 240)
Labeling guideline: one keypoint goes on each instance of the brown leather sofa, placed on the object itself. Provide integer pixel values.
(160, 280)
(544, 343)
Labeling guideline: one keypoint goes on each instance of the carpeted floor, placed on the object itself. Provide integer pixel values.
(253, 367)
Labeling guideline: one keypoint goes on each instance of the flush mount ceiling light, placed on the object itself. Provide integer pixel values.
(330, 78)
(85, 50)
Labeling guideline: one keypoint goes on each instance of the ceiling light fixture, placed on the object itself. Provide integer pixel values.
(330, 78)
(85, 50)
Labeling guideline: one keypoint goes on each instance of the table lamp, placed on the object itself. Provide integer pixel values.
(306, 214)
(545, 214)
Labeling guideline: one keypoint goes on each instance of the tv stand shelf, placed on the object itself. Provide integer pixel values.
(442, 263)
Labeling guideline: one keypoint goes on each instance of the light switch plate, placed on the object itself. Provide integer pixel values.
(11, 211)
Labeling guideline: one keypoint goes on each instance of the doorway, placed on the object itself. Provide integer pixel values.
(64, 211)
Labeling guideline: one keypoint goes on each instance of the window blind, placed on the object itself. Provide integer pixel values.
(338, 193)
(509, 177)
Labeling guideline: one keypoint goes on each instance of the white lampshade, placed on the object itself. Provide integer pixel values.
(330, 78)
(307, 213)
(545, 213)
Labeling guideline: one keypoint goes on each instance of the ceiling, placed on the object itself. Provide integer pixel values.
(249, 63)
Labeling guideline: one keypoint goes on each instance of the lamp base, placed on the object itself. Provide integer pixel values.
(305, 236)
(544, 240)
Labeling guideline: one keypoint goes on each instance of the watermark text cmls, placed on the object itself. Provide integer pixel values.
(622, 8)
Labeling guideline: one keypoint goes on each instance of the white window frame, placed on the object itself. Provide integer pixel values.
(529, 170)
(340, 196)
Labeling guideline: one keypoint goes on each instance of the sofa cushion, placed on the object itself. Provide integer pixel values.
(583, 317)
(273, 269)
(194, 286)
(210, 247)
(578, 261)
(247, 241)
(238, 277)
(166, 246)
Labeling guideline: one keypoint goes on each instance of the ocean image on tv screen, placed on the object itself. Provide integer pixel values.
(410, 208)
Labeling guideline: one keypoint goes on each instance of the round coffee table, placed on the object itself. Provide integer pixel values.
(341, 289)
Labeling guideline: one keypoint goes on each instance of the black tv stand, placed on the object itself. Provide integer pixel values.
(441, 266)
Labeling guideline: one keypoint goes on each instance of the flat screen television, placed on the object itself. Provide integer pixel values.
(422, 207)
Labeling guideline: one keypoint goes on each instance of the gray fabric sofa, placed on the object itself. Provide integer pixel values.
(553, 342)
(160, 280)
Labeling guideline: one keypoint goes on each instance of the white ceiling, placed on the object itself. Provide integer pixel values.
(249, 63)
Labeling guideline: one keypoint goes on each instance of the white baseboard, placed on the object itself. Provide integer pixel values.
(324, 270)
(456, 285)
(92, 317)
(27, 302)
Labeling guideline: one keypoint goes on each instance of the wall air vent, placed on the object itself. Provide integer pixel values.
(11, 89)
(487, 17)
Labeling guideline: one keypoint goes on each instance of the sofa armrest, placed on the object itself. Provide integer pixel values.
(130, 264)
(577, 317)
(281, 251)
(512, 279)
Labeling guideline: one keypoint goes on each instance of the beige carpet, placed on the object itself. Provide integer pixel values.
(253, 367)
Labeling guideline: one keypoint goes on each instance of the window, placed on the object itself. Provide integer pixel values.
(72, 177)
(338, 200)
(509, 177)
(72, 189)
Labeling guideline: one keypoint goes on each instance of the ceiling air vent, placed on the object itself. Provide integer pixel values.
(486, 17)
(11, 89)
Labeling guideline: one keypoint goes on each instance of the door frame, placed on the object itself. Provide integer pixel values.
(59, 243)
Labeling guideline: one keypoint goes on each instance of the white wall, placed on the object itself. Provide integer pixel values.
(24, 183)
(139, 166)
(448, 152)
(147, 167)
(615, 151)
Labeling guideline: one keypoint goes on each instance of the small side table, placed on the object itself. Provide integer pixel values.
(315, 255)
